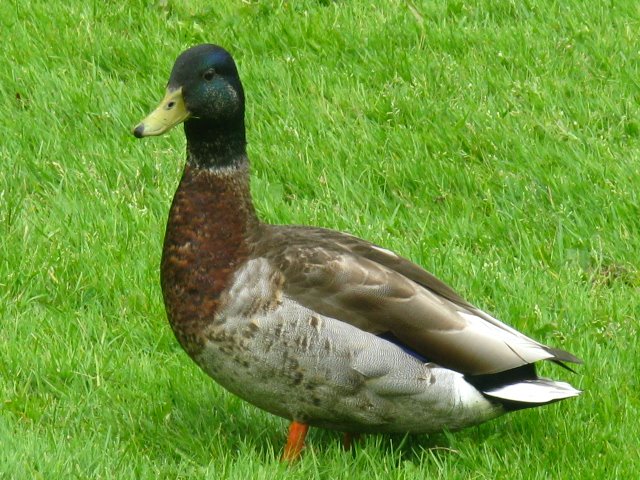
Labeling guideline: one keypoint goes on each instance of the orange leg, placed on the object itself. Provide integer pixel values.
(295, 441)
(349, 439)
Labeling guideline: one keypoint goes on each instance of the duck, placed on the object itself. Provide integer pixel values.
(313, 325)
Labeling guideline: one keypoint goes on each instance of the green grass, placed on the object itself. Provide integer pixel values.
(496, 143)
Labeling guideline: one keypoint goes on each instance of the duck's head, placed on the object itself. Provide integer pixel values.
(205, 92)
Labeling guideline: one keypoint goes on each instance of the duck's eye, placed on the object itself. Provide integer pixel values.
(209, 74)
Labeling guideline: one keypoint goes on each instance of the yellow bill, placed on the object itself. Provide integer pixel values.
(167, 115)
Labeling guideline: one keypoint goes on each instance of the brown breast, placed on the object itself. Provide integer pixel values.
(209, 231)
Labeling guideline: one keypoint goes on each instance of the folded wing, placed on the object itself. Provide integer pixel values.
(377, 291)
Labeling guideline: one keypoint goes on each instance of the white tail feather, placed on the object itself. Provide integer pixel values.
(537, 391)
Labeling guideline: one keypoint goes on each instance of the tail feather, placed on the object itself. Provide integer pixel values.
(532, 392)
(521, 387)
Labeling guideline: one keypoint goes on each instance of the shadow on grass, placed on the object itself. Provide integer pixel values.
(193, 419)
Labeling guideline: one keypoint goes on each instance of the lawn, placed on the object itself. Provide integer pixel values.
(497, 143)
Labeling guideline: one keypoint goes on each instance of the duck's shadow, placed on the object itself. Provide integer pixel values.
(398, 448)
(210, 422)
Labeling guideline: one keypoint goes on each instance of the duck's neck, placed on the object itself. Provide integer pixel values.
(214, 146)
(210, 232)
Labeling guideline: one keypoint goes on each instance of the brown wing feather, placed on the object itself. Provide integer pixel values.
(354, 281)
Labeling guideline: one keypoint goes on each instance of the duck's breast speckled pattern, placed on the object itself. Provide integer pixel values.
(205, 241)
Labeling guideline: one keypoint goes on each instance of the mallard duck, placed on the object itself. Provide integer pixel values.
(317, 326)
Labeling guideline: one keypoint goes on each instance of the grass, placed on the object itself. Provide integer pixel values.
(496, 143)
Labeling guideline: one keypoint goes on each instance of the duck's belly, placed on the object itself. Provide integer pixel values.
(299, 365)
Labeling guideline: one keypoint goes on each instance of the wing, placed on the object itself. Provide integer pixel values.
(359, 283)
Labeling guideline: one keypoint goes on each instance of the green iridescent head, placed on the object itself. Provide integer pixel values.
(204, 91)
